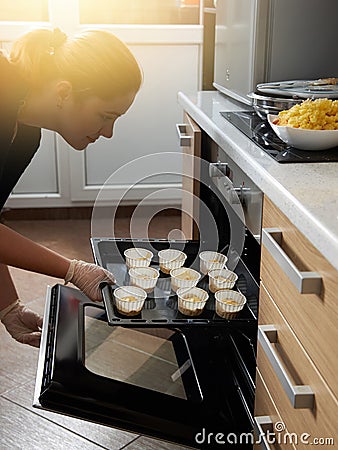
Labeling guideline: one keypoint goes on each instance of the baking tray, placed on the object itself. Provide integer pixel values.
(160, 307)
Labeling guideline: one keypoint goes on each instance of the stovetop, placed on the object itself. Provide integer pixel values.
(260, 132)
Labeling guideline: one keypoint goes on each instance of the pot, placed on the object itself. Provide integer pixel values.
(264, 105)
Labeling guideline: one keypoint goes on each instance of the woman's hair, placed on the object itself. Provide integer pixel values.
(95, 62)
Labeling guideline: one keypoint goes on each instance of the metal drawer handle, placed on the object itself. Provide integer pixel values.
(300, 396)
(184, 137)
(261, 425)
(305, 282)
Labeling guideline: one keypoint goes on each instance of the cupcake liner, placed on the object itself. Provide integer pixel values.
(221, 279)
(229, 302)
(138, 257)
(191, 307)
(211, 260)
(171, 259)
(144, 277)
(183, 277)
(123, 303)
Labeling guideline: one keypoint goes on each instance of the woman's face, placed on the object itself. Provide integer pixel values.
(82, 122)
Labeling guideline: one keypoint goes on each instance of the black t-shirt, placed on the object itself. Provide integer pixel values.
(14, 156)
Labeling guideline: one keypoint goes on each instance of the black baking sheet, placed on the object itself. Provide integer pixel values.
(160, 307)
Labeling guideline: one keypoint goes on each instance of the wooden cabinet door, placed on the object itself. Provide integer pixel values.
(190, 136)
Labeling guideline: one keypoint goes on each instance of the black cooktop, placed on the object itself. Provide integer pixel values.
(260, 132)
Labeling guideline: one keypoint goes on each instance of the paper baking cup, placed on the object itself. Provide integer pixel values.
(221, 279)
(138, 257)
(229, 303)
(144, 277)
(184, 277)
(171, 259)
(123, 303)
(211, 260)
(190, 307)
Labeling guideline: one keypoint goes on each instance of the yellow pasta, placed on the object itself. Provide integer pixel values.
(319, 114)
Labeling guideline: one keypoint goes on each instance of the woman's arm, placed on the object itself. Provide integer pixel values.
(8, 293)
(19, 251)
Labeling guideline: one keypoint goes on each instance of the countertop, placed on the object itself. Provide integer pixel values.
(307, 193)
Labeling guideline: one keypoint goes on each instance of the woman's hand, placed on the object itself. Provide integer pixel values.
(22, 324)
(88, 277)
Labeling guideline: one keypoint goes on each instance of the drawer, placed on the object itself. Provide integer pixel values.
(266, 411)
(312, 316)
(292, 370)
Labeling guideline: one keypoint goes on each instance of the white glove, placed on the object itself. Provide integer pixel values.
(22, 324)
(88, 277)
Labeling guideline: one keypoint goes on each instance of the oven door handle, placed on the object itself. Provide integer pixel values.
(300, 396)
(262, 424)
(305, 282)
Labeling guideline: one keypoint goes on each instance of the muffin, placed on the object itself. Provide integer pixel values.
(129, 300)
(144, 277)
(138, 257)
(229, 303)
(171, 259)
(211, 260)
(191, 301)
(221, 279)
(183, 277)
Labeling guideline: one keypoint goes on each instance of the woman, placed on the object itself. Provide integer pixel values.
(76, 87)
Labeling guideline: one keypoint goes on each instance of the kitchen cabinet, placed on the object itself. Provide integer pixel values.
(297, 320)
(190, 140)
(296, 384)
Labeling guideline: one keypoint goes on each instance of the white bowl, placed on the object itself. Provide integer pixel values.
(144, 277)
(129, 300)
(184, 277)
(138, 257)
(171, 259)
(305, 139)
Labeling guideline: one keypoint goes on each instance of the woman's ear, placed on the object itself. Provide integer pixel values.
(64, 91)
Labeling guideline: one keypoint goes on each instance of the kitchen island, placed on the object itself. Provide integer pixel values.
(306, 193)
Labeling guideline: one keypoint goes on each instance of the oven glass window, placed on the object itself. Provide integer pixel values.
(156, 358)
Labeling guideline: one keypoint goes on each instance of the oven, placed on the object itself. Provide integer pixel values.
(186, 380)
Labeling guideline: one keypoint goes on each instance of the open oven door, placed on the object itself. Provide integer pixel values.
(176, 384)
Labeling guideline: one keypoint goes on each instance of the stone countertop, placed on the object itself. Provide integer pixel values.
(307, 193)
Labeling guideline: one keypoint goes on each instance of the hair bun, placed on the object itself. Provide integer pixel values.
(58, 38)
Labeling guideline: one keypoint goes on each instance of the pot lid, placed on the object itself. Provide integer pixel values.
(321, 88)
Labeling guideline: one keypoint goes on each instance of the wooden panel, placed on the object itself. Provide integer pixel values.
(321, 420)
(190, 180)
(265, 406)
(312, 317)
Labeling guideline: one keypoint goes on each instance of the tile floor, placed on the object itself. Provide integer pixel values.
(22, 426)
